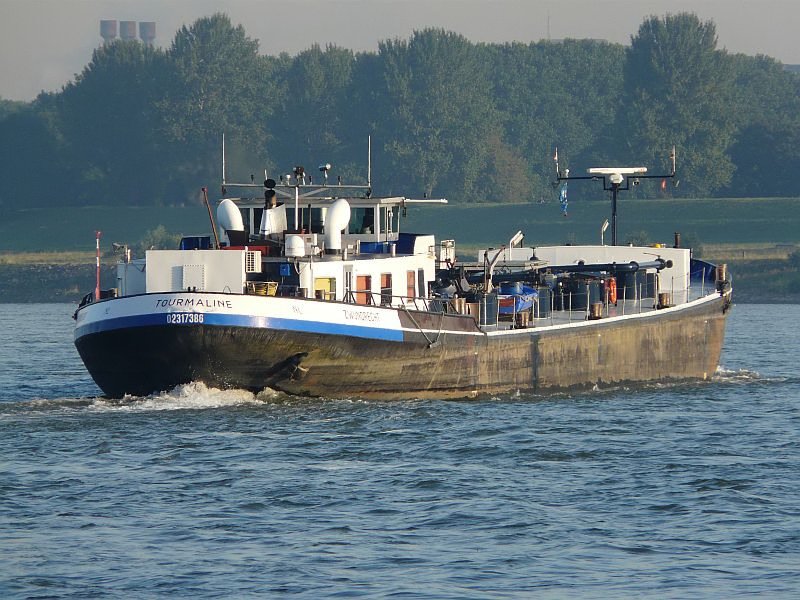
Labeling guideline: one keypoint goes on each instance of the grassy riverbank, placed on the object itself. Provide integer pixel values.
(765, 275)
(49, 255)
(734, 221)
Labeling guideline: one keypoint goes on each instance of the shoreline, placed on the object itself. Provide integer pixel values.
(754, 282)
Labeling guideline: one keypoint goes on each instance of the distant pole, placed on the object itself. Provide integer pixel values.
(97, 235)
(548, 25)
(210, 217)
(614, 190)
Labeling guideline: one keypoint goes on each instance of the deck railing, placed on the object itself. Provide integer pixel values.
(643, 297)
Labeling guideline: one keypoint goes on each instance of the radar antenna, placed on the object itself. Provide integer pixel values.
(614, 180)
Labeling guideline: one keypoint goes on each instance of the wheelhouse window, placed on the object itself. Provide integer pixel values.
(246, 219)
(362, 220)
(390, 219)
(311, 220)
(255, 227)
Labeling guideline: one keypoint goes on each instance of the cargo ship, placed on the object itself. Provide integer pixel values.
(314, 289)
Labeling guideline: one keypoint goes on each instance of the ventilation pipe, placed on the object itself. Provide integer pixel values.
(336, 219)
(229, 218)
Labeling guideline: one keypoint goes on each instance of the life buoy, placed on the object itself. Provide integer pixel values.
(612, 290)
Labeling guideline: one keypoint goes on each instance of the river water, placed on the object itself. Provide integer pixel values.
(664, 492)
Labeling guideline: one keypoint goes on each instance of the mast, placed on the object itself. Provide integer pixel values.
(615, 179)
(223, 159)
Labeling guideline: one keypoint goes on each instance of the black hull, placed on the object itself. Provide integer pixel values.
(662, 346)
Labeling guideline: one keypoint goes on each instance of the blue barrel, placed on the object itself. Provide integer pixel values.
(545, 301)
(635, 283)
(650, 287)
(595, 291)
(626, 285)
(511, 287)
(575, 294)
(488, 309)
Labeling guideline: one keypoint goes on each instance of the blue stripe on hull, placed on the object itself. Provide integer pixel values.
(249, 321)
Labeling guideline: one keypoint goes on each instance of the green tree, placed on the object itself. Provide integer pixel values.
(440, 112)
(766, 148)
(218, 84)
(557, 94)
(313, 108)
(33, 158)
(8, 107)
(156, 239)
(677, 92)
(109, 119)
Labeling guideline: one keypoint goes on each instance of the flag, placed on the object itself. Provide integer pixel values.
(663, 185)
(562, 196)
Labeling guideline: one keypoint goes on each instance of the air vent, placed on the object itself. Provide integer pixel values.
(252, 261)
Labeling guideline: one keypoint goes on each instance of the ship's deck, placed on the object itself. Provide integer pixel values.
(622, 307)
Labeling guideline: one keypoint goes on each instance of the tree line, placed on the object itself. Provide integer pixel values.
(474, 122)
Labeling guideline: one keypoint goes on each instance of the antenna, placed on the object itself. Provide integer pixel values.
(369, 161)
(613, 178)
(223, 158)
(672, 157)
(555, 159)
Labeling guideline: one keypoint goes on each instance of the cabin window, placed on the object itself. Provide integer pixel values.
(317, 220)
(386, 289)
(310, 220)
(421, 281)
(390, 219)
(411, 280)
(363, 289)
(362, 220)
(325, 288)
(245, 218)
(257, 214)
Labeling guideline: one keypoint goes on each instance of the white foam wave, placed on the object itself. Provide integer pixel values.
(191, 396)
(724, 375)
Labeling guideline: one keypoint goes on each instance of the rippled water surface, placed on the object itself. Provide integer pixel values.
(687, 491)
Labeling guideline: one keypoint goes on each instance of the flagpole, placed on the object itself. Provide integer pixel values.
(97, 235)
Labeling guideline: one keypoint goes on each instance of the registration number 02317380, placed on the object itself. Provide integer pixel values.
(176, 318)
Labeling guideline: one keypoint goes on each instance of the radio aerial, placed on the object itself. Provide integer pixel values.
(614, 180)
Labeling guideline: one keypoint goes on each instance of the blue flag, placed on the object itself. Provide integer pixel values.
(563, 198)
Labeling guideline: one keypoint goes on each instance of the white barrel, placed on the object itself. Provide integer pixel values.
(295, 246)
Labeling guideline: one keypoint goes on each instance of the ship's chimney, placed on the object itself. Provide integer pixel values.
(108, 30)
(147, 32)
(127, 30)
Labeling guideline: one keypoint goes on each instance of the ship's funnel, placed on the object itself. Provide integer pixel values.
(336, 219)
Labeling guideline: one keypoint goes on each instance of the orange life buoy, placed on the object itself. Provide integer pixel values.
(612, 290)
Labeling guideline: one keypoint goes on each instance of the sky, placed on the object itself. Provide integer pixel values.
(45, 43)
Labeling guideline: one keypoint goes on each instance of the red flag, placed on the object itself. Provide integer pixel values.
(663, 185)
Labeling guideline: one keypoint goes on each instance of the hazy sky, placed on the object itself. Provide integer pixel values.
(44, 43)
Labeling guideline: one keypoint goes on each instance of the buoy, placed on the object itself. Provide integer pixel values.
(612, 290)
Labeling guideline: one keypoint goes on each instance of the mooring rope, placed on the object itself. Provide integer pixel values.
(431, 343)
